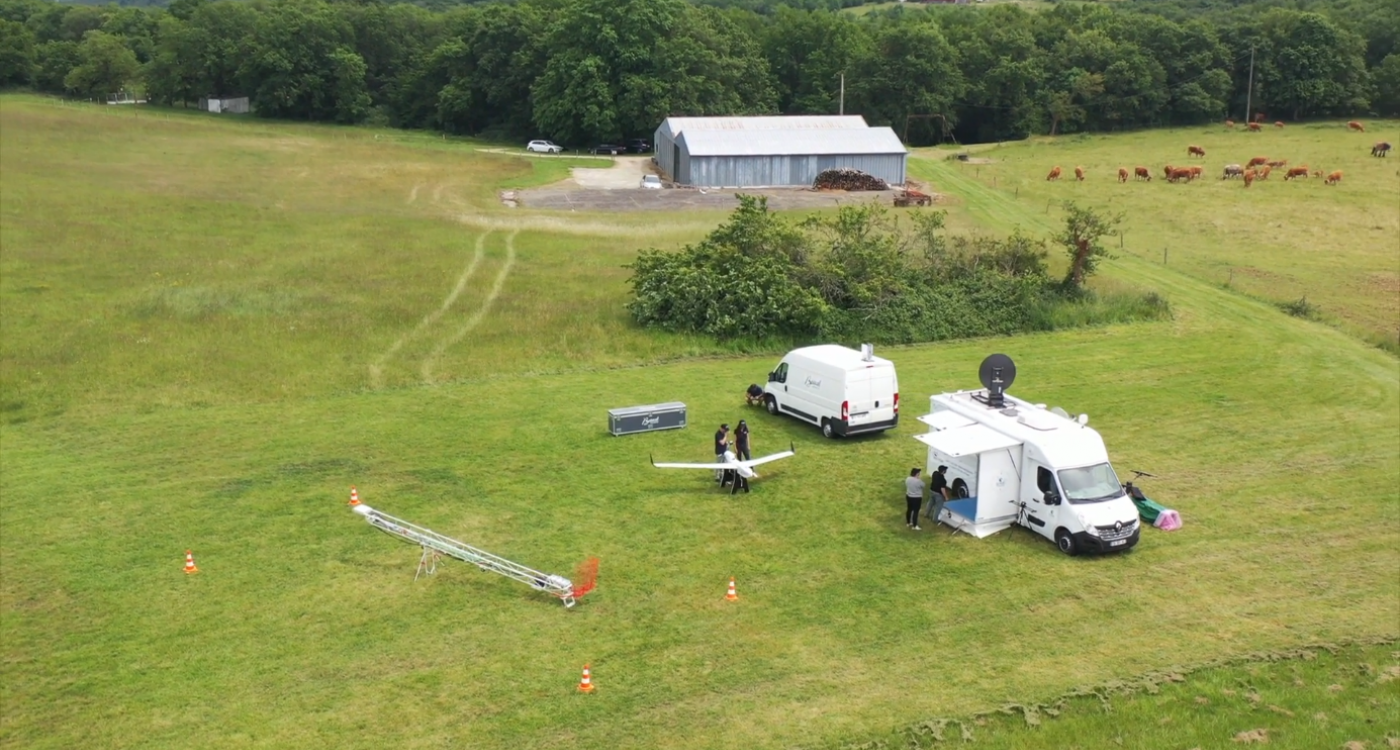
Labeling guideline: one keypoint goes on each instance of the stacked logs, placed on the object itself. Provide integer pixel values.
(848, 179)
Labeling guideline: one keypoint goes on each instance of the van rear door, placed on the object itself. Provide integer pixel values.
(871, 393)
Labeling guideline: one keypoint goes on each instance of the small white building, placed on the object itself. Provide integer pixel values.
(235, 104)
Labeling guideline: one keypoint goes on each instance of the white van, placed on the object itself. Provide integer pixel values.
(840, 390)
(1013, 462)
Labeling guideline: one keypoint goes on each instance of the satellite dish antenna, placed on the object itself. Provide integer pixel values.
(996, 373)
(1057, 411)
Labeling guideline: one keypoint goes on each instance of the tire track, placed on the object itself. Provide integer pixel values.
(477, 316)
(376, 370)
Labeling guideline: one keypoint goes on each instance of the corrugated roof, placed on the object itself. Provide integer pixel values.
(791, 142)
(780, 122)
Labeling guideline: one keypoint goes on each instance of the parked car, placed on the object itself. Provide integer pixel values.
(638, 146)
(651, 182)
(544, 147)
(608, 148)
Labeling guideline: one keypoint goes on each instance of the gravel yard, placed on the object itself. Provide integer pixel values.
(618, 189)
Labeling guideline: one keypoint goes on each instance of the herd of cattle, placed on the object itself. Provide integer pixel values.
(1257, 168)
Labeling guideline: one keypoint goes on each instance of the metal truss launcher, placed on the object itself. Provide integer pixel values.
(435, 545)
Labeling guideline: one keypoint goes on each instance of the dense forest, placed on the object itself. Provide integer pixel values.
(585, 71)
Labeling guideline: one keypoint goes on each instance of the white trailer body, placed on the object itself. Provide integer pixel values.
(1024, 464)
(842, 391)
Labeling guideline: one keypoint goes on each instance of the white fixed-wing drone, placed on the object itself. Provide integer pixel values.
(743, 470)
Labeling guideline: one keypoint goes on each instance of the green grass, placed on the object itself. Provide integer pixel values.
(1306, 698)
(294, 256)
(1277, 241)
(227, 405)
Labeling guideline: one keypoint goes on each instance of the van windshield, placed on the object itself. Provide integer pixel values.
(1090, 484)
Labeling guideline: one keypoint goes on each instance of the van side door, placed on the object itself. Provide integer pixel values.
(1041, 496)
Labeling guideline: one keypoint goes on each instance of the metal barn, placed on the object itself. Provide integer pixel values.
(667, 154)
(774, 158)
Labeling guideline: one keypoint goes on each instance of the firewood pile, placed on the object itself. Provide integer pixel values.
(848, 179)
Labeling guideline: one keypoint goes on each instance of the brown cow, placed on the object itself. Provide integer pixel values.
(1257, 161)
(1248, 177)
(1278, 124)
(1143, 173)
(1195, 171)
(1177, 175)
(1079, 173)
(1380, 148)
(1054, 174)
(1334, 178)
(1230, 124)
(1167, 170)
(1122, 174)
(1317, 173)
(1296, 172)
(1195, 151)
(1264, 173)
(1279, 163)
(1358, 127)
(1254, 127)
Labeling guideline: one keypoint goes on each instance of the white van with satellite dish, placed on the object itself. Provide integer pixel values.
(1013, 462)
(840, 390)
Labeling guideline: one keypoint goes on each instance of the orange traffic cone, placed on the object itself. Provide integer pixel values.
(354, 497)
(585, 683)
(732, 595)
(189, 562)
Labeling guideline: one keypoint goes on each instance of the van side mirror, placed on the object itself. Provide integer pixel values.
(772, 379)
(1051, 498)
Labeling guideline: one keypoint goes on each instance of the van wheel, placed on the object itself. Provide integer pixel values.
(772, 404)
(827, 431)
(959, 488)
(1065, 542)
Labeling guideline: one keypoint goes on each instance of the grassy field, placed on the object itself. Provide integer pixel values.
(193, 313)
(1280, 241)
(1325, 697)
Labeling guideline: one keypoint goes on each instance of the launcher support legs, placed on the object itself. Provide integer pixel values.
(427, 563)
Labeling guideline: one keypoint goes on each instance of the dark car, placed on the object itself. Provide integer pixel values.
(608, 148)
(638, 146)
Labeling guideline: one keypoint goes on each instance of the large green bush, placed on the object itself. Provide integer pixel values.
(860, 275)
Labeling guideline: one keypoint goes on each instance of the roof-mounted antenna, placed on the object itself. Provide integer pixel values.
(996, 373)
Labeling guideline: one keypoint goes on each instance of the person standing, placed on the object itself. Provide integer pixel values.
(937, 493)
(721, 445)
(741, 440)
(914, 497)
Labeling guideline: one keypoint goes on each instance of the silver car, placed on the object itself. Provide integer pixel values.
(545, 147)
(652, 182)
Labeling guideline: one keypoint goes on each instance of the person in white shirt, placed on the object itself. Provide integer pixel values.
(914, 496)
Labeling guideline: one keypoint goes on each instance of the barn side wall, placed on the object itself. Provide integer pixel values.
(773, 171)
(663, 145)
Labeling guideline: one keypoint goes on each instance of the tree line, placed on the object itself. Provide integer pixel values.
(587, 71)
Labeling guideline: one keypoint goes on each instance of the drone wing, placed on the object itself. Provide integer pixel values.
(773, 457)
(711, 467)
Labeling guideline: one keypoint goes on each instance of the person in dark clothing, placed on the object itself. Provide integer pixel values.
(937, 492)
(721, 445)
(754, 395)
(740, 482)
(741, 441)
(914, 497)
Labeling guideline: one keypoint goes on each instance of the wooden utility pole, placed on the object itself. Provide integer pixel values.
(1249, 95)
(842, 111)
